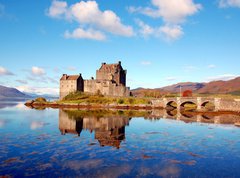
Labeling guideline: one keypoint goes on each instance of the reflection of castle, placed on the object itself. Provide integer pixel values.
(109, 131)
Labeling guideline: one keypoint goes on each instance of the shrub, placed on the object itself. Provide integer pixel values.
(130, 100)
(41, 100)
(120, 101)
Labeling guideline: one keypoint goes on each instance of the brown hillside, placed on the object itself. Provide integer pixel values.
(221, 86)
(215, 87)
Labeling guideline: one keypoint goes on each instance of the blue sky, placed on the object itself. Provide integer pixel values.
(160, 42)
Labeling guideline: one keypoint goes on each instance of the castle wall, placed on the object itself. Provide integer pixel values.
(111, 81)
(68, 86)
(106, 88)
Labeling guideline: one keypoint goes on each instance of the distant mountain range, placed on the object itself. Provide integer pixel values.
(7, 93)
(215, 87)
(13, 94)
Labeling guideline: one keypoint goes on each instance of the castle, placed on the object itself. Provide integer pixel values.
(110, 81)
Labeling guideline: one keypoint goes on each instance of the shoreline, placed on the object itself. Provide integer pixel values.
(120, 106)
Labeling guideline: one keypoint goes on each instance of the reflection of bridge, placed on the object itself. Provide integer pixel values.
(200, 102)
(189, 117)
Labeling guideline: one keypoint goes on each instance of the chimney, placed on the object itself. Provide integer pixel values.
(65, 76)
(104, 63)
(119, 62)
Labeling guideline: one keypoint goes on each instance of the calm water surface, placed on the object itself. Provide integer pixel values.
(70, 143)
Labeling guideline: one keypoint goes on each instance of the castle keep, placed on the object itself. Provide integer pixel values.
(110, 81)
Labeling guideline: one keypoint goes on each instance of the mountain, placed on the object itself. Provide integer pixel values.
(184, 86)
(47, 96)
(215, 87)
(223, 87)
(7, 93)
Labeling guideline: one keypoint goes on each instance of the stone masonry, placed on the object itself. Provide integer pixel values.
(110, 81)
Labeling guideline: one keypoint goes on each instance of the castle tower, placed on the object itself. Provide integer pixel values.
(112, 72)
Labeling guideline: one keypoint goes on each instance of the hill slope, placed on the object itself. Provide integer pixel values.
(222, 87)
(11, 93)
(215, 87)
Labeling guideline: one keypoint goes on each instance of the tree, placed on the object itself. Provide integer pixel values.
(187, 93)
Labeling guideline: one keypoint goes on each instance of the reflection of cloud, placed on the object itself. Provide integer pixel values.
(169, 170)
(2, 123)
(37, 124)
(88, 164)
(114, 171)
(21, 106)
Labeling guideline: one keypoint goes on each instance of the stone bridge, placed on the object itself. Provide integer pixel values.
(218, 103)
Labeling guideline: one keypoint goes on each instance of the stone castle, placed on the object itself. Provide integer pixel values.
(110, 81)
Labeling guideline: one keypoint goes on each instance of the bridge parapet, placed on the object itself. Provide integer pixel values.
(219, 104)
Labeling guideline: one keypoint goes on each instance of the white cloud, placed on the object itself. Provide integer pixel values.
(229, 3)
(211, 66)
(57, 9)
(38, 71)
(85, 34)
(4, 71)
(173, 13)
(71, 68)
(189, 68)
(168, 32)
(89, 15)
(145, 30)
(39, 90)
(22, 81)
(172, 32)
(223, 77)
(146, 63)
(171, 78)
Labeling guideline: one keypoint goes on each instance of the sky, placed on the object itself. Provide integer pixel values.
(160, 42)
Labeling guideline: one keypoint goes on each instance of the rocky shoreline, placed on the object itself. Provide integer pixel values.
(55, 105)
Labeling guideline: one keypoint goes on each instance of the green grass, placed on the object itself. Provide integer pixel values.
(80, 97)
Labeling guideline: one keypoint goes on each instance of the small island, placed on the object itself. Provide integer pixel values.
(109, 91)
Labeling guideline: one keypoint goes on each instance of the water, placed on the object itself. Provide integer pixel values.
(70, 143)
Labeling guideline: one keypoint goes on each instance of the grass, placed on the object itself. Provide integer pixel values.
(80, 97)
(234, 95)
(84, 98)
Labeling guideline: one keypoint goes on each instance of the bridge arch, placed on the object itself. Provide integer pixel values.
(208, 105)
(190, 105)
(172, 104)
